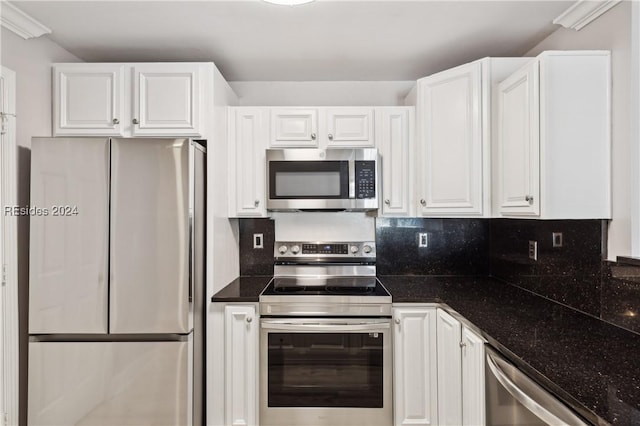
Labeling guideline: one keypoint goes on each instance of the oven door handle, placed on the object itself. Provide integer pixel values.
(328, 327)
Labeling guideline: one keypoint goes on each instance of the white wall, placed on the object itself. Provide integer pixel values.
(612, 31)
(31, 60)
(321, 93)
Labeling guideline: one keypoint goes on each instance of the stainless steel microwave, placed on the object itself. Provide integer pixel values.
(322, 179)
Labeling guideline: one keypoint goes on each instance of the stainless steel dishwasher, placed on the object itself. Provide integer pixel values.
(513, 398)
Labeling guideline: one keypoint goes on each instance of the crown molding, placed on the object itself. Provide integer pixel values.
(19, 22)
(582, 12)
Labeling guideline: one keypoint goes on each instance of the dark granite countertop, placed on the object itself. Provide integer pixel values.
(242, 289)
(592, 365)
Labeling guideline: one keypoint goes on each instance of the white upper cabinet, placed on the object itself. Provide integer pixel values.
(519, 143)
(155, 99)
(166, 99)
(322, 127)
(349, 127)
(247, 162)
(294, 127)
(88, 99)
(394, 140)
(450, 108)
(553, 145)
(454, 134)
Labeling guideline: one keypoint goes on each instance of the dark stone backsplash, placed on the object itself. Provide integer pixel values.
(454, 246)
(570, 274)
(574, 275)
(621, 295)
(256, 261)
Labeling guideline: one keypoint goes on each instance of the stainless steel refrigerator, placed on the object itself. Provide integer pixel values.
(116, 281)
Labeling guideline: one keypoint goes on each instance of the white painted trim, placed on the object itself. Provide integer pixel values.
(20, 23)
(635, 129)
(583, 12)
(9, 241)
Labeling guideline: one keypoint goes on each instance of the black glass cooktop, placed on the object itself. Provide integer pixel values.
(326, 286)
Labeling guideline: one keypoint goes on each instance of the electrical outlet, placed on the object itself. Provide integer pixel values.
(423, 239)
(533, 250)
(258, 241)
(557, 239)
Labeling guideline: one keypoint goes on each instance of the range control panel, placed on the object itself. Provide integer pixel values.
(320, 250)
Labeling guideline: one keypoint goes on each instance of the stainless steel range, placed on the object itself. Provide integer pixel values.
(325, 348)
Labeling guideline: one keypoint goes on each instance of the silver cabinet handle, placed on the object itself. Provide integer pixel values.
(115, 121)
(330, 137)
(249, 319)
(529, 198)
(387, 202)
(135, 121)
(423, 202)
(463, 345)
(313, 136)
(397, 321)
(257, 203)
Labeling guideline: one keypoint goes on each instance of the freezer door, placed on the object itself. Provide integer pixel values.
(150, 245)
(110, 383)
(68, 235)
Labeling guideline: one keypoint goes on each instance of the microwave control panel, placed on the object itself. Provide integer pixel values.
(365, 179)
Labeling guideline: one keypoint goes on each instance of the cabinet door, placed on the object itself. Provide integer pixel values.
(473, 400)
(450, 115)
(88, 100)
(248, 162)
(241, 358)
(414, 365)
(350, 127)
(394, 142)
(166, 99)
(69, 249)
(519, 143)
(294, 127)
(449, 370)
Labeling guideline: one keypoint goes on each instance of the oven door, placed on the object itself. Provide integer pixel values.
(328, 371)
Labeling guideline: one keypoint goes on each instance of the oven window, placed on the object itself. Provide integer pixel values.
(325, 370)
(308, 179)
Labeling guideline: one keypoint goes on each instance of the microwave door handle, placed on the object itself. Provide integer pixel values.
(352, 179)
(290, 326)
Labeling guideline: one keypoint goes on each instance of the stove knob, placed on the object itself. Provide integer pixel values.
(366, 249)
(295, 249)
(283, 249)
(354, 249)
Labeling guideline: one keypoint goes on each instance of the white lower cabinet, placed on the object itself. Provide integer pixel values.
(232, 365)
(414, 366)
(460, 354)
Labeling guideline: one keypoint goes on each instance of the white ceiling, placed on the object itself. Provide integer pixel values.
(325, 40)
